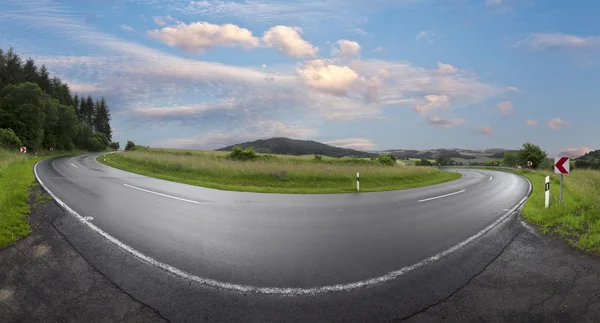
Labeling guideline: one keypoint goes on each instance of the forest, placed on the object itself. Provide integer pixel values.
(39, 111)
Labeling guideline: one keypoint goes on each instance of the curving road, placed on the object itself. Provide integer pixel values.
(281, 240)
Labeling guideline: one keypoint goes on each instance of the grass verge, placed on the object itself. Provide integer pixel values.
(577, 219)
(274, 174)
(16, 179)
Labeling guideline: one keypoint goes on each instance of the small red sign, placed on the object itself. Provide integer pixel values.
(529, 164)
(23, 150)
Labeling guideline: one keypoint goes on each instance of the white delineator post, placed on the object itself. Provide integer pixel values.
(547, 191)
(104, 157)
(357, 182)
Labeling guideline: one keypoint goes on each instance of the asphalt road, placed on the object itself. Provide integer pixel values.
(281, 240)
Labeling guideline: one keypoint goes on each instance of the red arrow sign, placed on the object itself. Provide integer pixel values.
(23, 150)
(559, 165)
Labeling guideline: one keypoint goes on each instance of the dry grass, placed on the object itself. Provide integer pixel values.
(285, 174)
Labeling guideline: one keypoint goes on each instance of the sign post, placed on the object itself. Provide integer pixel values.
(561, 166)
(547, 188)
(357, 182)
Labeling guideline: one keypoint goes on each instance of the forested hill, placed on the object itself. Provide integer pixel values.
(286, 146)
(40, 112)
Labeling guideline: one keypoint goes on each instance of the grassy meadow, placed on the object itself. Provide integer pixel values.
(577, 220)
(275, 173)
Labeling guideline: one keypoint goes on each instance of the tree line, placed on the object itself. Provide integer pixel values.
(40, 112)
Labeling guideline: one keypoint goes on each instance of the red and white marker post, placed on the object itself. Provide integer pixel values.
(561, 166)
(23, 150)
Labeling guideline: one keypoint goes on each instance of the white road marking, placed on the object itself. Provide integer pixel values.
(165, 195)
(285, 291)
(88, 218)
(439, 197)
(73, 165)
(490, 178)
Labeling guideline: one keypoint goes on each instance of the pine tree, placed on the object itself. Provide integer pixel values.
(89, 111)
(30, 71)
(44, 80)
(13, 68)
(102, 119)
(3, 81)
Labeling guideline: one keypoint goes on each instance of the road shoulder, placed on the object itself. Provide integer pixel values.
(43, 278)
(536, 279)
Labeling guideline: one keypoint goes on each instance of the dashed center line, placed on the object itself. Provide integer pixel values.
(439, 197)
(165, 195)
(491, 178)
(73, 165)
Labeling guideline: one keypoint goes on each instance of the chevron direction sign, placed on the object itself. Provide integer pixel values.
(561, 165)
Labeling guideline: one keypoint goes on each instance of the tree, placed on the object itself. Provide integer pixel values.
(22, 109)
(66, 127)
(130, 145)
(14, 71)
(102, 119)
(115, 145)
(44, 79)
(532, 153)
(423, 162)
(511, 159)
(443, 161)
(30, 71)
(9, 140)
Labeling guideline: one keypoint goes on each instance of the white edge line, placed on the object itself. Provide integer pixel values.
(490, 178)
(165, 195)
(73, 165)
(279, 290)
(439, 197)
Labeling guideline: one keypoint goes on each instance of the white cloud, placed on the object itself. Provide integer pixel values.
(353, 143)
(545, 41)
(288, 40)
(347, 48)
(200, 36)
(505, 108)
(379, 49)
(486, 130)
(360, 32)
(126, 28)
(512, 88)
(576, 152)
(531, 123)
(433, 101)
(162, 21)
(493, 2)
(257, 129)
(557, 123)
(436, 121)
(446, 68)
(322, 75)
(426, 35)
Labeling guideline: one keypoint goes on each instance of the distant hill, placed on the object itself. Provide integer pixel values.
(500, 155)
(286, 146)
(429, 154)
(589, 160)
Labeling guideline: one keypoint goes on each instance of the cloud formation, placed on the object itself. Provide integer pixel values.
(288, 40)
(200, 36)
(436, 121)
(353, 143)
(531, 123)
(576, 152)
(446, 68)
(557, 123)
(160, 21)
(505, 109)
(547, 41)
(486, 130)
(433, 102)
(346, 48)
(126, 28)
(426, 35)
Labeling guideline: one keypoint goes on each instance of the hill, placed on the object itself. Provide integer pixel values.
(286, 146)
(589, 160)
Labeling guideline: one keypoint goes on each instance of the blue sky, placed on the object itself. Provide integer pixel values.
(371, 75)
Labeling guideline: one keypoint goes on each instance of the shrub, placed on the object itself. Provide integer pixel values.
(115, 145)
(237, 153)
(388, 160)
(318, 158)
(423, 162)
(130, 145)
(9, 140)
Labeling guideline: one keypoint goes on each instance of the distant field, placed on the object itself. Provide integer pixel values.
(275, 173)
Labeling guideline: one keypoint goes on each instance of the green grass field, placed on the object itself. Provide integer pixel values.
(577, 220)
(275, 174)
(16, 180)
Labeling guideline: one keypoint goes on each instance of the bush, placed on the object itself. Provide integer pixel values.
(9, 140)
(388, 160)
(318, 158)
(240, 154)
(130, 145)
(423, 162)
(115, 145)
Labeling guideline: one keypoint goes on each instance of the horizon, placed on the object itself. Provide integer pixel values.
(209, 74)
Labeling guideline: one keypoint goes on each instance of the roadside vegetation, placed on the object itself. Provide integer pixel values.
(246, 170)
(40, 113)
(577, 219)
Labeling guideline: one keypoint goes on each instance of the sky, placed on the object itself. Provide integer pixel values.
(367, 75)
